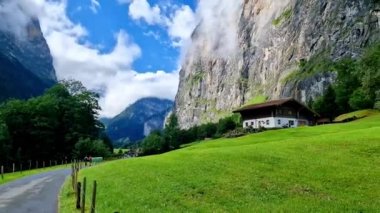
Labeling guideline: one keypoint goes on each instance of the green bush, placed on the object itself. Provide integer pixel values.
(154, 144)
(88, 147)
(360, 100)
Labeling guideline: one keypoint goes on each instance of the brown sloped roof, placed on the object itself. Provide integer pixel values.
(270, 104)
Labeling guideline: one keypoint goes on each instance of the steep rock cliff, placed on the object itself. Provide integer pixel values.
(26, 65)
(259, 44)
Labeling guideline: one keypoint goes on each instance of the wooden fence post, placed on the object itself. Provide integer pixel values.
(36, 164)
(93, 200)
(21, 168)
(43, 164)
(2, 172)
(84, 195)
(78, 195)
(13, 168)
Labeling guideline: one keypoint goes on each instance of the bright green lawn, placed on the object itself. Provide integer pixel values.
(17, 175)
(332, 168)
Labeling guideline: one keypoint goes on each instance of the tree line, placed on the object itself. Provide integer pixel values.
(357, 85)
(172, 137)
(61, 124)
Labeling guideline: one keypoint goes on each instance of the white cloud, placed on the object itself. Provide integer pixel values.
(181, 25)
(178, 21)
(142, 10)
(108, 72)
(95, 6)
(128, 87)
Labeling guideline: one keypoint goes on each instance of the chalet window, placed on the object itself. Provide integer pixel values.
(279, 122)
(246, 124)
(267, 122)
(252, 123)
(291, 123)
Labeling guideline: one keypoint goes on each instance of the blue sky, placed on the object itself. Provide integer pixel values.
(124, 49)
(111, 17)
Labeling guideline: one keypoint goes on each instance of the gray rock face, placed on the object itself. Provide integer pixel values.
(32, 51)
(271, 39)
(26, 66)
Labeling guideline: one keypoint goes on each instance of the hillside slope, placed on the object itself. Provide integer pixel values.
(332, 168)
(266, 41)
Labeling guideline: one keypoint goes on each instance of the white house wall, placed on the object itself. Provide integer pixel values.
(273, 122)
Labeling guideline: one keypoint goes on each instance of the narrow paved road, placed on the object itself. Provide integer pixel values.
(33, 194)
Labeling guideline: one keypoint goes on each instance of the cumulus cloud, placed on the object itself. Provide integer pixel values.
(181, 25)
(110, 72)
(141, 9)
(178, 20)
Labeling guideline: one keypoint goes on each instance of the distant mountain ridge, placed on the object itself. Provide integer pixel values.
(26, 65)
(138, 120)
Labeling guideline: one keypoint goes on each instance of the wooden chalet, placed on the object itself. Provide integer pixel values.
(284, 113)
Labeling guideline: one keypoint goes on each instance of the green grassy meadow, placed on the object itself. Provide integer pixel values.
(331, 168)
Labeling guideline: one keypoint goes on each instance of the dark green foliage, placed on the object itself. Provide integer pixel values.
(206, 130)
(355, 87)
(49, 126)
(326, 105)
(360, 100)
(88, 147)
(225, 125)
(346, 83)
(154, 144)
(171, 133)
(172, 137)
(369, 71)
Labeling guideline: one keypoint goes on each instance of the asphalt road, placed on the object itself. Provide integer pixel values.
(33, 194)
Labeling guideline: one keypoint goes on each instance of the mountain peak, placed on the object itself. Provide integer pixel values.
(139, 119)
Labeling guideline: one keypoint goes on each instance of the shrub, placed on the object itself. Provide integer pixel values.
(88, 147)
(153, 144)
(360, 100)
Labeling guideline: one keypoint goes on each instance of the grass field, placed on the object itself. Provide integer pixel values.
(332, 168)
(8, 177)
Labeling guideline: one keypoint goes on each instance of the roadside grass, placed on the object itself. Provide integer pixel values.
(356, 114)
(8, 177)
(331, 168)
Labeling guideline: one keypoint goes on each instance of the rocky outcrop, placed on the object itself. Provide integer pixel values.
(271, 39)
(26, 65)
